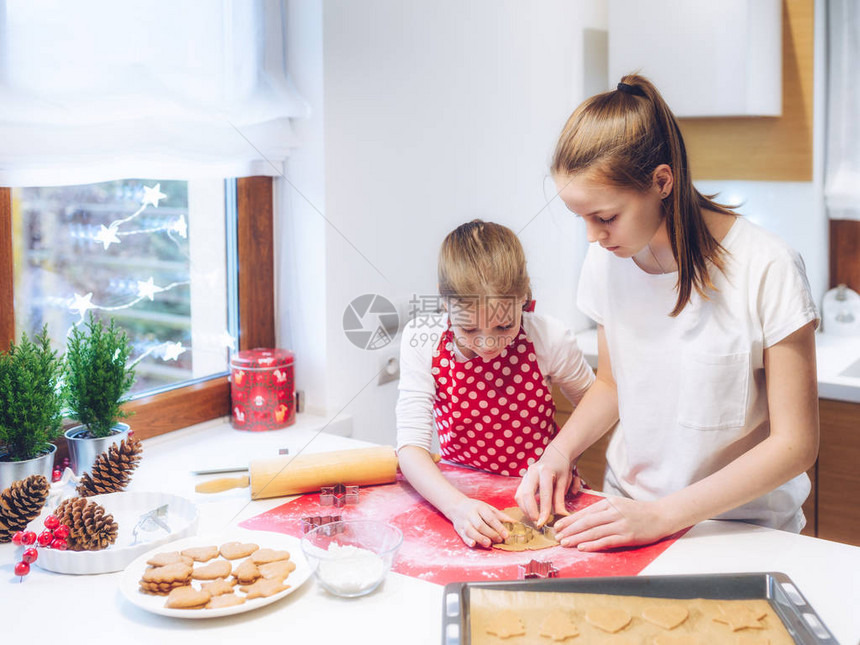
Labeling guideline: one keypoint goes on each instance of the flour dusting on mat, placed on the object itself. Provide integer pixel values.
(431, 548)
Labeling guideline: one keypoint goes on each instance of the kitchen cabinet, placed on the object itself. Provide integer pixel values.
(838, 489)
(726, 61)
(592, 463)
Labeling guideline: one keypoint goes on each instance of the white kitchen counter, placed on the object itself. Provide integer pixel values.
(834, 356)
(404, 610)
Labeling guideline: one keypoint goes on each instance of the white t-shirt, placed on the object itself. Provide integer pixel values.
(559, 358)
(691, 389)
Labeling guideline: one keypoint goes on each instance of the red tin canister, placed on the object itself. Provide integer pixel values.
(262, 389)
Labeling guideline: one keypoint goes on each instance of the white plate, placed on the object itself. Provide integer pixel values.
(133, 572)
(126, 509)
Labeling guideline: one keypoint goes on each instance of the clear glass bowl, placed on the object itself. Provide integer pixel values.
(352, 557)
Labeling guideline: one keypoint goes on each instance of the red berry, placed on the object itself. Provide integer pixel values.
(29, 537)
(45, 538)
(22, 569)
(18, 538)
(51, 522)
(62, 531)
(30, 555)
(59, 544)
(56, 475)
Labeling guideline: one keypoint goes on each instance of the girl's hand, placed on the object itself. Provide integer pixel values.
(551, 478)
(478, 523)
(613, 522)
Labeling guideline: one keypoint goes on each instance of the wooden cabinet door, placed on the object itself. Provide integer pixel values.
(592, 463)
(839, 472)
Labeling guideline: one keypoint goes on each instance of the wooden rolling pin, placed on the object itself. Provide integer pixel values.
(281, 476)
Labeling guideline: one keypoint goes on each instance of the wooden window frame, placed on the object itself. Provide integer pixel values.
(187, 405)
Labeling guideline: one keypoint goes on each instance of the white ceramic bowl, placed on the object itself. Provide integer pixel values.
(126, 508)
(351, 558)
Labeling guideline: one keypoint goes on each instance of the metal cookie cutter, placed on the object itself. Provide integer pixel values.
(518, 533)
(314, 521)
(338, 495)
(537, 569)
(151, 521)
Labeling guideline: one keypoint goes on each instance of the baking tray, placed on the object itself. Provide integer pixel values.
(799, 618)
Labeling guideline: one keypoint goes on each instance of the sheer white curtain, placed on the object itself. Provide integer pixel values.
(99, 89)
(842, 169)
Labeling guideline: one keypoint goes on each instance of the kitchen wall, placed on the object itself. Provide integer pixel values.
(426, 115)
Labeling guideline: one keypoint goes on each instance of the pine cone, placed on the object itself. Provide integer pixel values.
(21, 503)
(112, 470)
(91, 528)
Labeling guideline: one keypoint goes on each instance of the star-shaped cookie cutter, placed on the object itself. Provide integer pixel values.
(338, 495)
(537, 569)
(314, 521)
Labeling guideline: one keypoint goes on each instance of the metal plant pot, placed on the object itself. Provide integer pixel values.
(83, 449)
(12, 471)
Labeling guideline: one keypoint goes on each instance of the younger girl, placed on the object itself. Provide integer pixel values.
(482, 376)
(706, 350)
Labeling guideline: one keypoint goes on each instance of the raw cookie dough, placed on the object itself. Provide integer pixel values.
(507, 624)
(676, 639)
(740, 617)
(531, 538)
(532, 609)
(608, 619)
(667, 617)
(558, 626)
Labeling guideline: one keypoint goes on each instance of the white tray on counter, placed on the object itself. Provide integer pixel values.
(126, 508)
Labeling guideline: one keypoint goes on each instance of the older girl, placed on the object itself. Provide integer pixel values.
(706, 351)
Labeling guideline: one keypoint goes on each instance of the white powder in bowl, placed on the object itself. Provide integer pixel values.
(350, 569)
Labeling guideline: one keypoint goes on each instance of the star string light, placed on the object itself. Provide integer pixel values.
(175, 229)
(110, 234)
(145, 289)
(166, 351)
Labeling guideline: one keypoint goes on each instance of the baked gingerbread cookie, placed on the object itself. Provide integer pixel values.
(264, 556)
(201, 553)
(170, 557)
(187, 597)
(247, 572)
(161, 580)
(213, 570)
(280, 569)
(264, 588)
(219, 587)
(226, 600)
(237, 550)
(261, 573)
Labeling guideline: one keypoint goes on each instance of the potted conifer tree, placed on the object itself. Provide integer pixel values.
(31, 408)
(97, 379)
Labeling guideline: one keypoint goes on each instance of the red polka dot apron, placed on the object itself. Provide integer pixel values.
(496, 415)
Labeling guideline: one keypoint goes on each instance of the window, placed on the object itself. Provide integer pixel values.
(208, 397)
(186, 93)
(151, 254)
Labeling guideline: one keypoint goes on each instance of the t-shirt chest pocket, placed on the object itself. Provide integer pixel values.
(714, 390)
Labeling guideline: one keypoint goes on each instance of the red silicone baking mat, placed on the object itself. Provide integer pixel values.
(431, 549)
